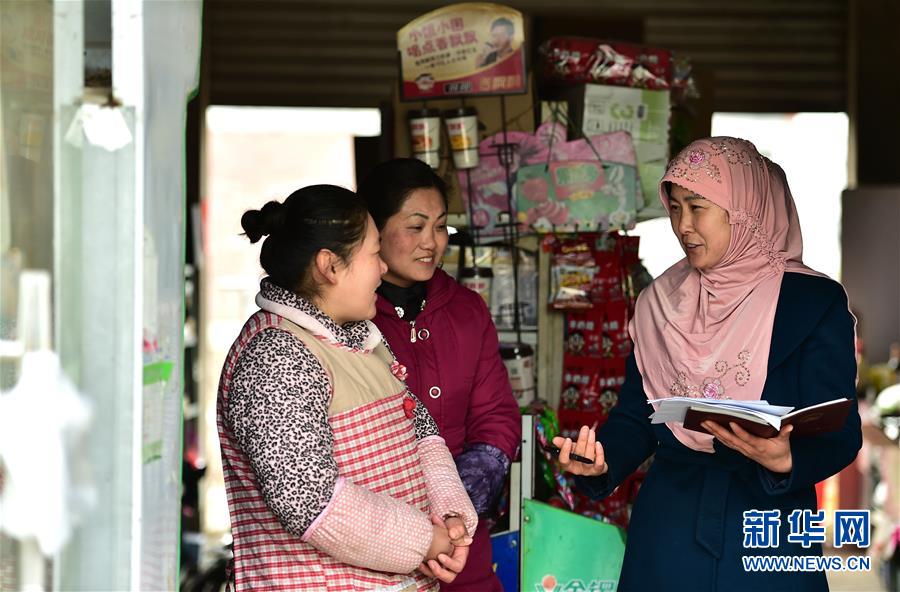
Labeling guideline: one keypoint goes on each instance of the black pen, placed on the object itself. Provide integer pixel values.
(554, 452)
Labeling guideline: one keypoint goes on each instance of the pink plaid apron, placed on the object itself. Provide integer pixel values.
(374, 446)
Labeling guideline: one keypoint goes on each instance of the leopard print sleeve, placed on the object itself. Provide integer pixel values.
(425, 424)
(278, 414)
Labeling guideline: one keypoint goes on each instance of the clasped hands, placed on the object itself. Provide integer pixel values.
(449, 549)
(772, 453)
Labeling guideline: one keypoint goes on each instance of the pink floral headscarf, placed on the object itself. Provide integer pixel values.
(707, 333)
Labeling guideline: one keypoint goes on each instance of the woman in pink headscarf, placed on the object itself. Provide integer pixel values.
(740, 317)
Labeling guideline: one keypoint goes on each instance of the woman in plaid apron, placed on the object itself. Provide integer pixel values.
(336, 476)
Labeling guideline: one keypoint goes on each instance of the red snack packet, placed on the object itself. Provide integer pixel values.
(572, 274)
(576, 60)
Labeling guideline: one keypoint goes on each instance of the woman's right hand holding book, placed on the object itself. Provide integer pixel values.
(586, 446)
(772, 453)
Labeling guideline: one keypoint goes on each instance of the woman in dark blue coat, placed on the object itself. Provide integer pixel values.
(739, 318)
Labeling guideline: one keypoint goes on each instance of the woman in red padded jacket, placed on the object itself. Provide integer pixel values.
(444, 336)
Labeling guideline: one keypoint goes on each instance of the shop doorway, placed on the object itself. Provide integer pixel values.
(252, 155)
(812, 150)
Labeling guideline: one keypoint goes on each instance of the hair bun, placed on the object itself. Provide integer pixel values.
(260, 223)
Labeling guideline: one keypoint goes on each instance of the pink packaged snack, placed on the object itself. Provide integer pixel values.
(611, 147)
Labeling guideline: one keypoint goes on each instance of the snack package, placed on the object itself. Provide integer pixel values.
(574, 196)
(581, 384)
(601, 332)
(571, 274)
(584, 185)
(576, 60)
(607, 282)
(591, 385)
(588, 270)
(549, 143)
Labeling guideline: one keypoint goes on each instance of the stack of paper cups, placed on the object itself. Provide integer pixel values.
(425, 135)
(462, 129)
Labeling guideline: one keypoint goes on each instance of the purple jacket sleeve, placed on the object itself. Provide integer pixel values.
(493, 417)
(482, 469)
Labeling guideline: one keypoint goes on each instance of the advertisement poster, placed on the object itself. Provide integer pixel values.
(473, 48)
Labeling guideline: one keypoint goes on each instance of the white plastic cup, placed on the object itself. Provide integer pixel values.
(462, 129)
(425, 135)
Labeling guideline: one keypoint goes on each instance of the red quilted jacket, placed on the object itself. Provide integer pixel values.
(454, 368)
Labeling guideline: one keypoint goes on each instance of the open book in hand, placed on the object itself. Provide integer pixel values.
(757, 417)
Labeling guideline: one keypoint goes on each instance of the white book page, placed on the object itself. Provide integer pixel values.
(760, 405)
